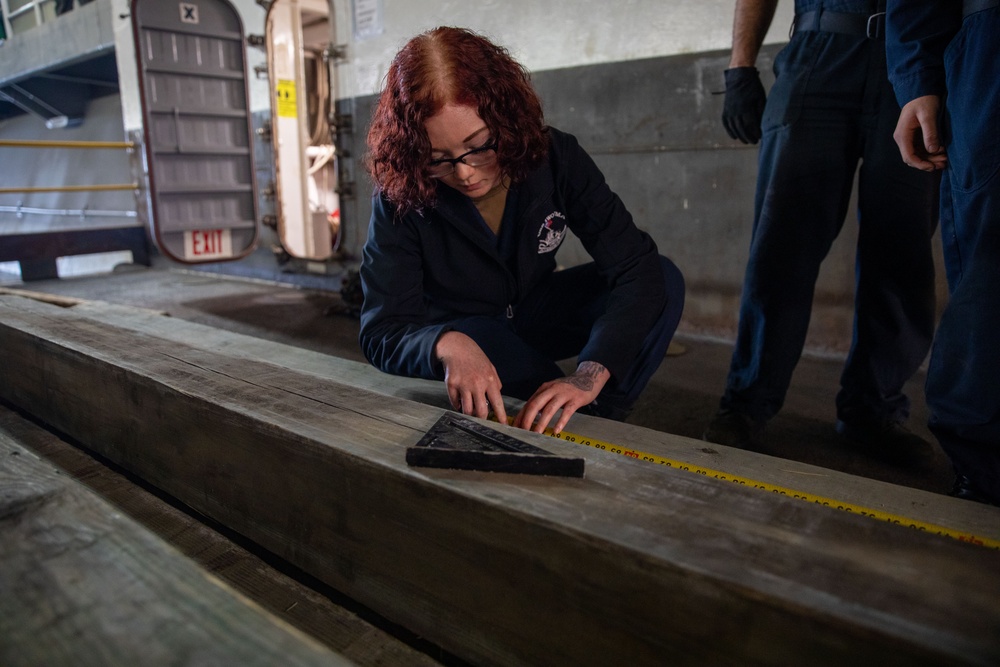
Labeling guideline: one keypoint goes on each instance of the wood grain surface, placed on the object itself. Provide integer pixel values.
(84, 585)
(634, 564)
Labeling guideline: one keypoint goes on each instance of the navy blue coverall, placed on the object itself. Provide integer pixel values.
(933, 50)
(830, 107)
(442, 270)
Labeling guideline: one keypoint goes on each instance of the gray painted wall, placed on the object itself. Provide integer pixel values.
(653, 126)
(635, 81)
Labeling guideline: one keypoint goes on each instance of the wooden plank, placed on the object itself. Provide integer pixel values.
(322, 614)
(54, 299)
(70, 301)
(84, 585)
(915, 504)
(634, 564)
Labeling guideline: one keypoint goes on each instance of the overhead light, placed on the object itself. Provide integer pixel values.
(60, 122)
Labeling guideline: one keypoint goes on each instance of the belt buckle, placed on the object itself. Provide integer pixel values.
(875, 26)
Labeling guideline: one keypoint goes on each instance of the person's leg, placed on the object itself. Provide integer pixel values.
(557, 319)
(551, 323)
(963, 393)
(521, 367)
(804, 185)
(558, 315)
(809, 152)
(894, 311)
(618, 397)
(962, 390)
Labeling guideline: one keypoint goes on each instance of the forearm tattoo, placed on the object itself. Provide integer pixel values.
(586, 373)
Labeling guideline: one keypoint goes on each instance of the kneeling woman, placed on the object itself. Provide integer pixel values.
(474, 195)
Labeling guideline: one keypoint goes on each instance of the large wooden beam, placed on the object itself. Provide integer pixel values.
(335, 622)
(633, 564)
(961, 517)
(83, 585)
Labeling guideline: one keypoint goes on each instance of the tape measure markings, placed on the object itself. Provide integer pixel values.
(962, 536)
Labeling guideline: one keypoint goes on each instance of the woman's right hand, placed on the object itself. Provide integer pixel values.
(471, 379)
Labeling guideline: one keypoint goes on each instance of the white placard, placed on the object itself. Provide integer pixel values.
(203, 244)
(367, 18)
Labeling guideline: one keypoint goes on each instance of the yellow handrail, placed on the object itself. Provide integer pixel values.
(72, 188)
(65, 144)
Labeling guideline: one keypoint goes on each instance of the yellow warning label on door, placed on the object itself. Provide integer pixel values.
(285, 102)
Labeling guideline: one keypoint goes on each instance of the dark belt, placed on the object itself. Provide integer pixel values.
(973, 6)
(871, 26)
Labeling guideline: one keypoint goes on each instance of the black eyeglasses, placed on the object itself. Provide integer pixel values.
(477, 157)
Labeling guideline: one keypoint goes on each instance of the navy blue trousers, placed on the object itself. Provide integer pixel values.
(554, 323)
(830, 108)
(963, 379)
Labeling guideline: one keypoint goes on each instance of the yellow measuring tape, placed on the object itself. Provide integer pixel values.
(959, 535)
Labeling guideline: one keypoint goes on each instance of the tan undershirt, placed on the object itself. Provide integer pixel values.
(491, 206)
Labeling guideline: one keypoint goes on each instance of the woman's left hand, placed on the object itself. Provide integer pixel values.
(568, 394)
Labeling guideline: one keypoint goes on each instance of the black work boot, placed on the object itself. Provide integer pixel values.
(886, 440)
(735, 429)
(965, 489)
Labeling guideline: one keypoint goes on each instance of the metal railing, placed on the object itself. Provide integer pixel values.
(21, 15)
(83, 213)
(103, 187)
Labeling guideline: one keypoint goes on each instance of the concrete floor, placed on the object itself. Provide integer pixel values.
(680, 399)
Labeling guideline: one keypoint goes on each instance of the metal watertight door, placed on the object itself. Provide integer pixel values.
(197, 128)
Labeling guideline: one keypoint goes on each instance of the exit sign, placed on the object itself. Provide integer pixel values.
(203, 244)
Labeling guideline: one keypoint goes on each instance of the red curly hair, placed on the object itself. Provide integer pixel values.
(441, 66)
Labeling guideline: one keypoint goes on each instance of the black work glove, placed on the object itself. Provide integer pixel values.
(744, 106)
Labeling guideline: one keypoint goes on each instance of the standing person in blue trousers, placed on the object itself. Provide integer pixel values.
(830, 108)
(944, 59)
